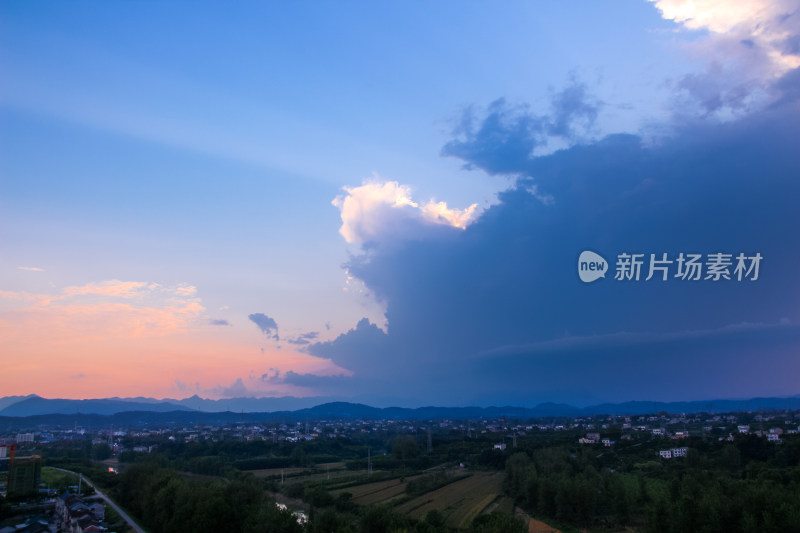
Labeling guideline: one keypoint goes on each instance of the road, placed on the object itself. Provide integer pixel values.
(108, 500)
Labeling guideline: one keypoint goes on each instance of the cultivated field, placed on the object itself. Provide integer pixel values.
(378, 492)
(461, 501)
(319, 471)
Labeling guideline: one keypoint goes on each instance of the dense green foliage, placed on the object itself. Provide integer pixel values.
(747, 485)
(165, 501)
(496, 521)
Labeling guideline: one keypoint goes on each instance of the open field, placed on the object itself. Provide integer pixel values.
(318, 470)
(57, 479)
(378, 492)
(504, 504)
(461, 501)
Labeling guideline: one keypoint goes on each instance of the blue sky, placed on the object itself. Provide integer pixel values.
(169, 171)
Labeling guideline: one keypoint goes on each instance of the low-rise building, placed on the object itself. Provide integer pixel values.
(679, 452)
(674, 452)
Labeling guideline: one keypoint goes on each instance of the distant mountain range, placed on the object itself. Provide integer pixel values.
(35, 405)
(290, 407)
(32, 405)
(8, 400)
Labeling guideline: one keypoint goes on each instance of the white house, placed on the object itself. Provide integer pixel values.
(679, 452)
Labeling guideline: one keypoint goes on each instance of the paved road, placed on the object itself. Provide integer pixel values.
(108, 500)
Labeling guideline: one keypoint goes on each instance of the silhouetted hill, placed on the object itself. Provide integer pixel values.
(249, 405)
(43, 406)
(9, 400)
(147, 410)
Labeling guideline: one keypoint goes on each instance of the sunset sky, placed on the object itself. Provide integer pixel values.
(385, 202)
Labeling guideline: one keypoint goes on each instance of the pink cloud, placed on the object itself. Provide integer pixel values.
(132, 338)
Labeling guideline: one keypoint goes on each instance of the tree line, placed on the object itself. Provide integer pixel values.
(746, 485)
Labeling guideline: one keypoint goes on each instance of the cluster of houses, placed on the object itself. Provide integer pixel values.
(75, 515)
(774, 434)
(32, 524)
(70, 514)
(673, 452)
(594, 438)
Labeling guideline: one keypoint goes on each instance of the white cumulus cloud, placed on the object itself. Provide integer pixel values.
(749, 45)
(377, 209)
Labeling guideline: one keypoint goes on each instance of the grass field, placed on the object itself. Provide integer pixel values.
(56, 479)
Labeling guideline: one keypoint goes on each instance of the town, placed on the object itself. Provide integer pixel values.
(48, 471)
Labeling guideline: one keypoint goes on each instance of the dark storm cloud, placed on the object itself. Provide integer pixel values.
(266, 324)
(338, 384)
(497, 313)
(573, 111)
(503, 138)
(789, 88)
(363, 347)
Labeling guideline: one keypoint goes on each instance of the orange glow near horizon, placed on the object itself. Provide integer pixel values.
(130, 339)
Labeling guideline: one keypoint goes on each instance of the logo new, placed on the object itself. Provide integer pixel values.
(591, 266)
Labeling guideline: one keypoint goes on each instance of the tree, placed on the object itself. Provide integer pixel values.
(405, 448)
(434, 522)
(269, 518)
(379, 519)
(498, 522)
(101, 451)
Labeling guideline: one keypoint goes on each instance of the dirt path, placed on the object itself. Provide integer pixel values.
(535, 526)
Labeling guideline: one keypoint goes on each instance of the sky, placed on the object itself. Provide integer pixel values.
(390, 202)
